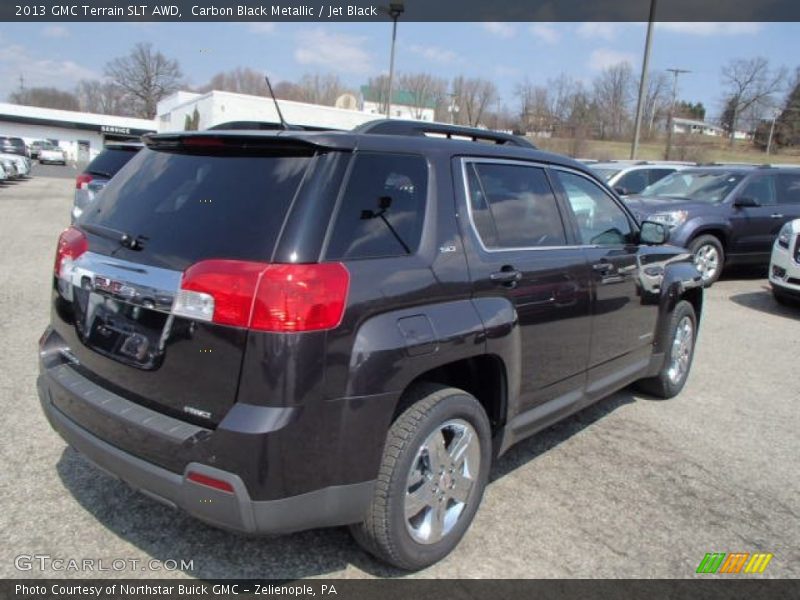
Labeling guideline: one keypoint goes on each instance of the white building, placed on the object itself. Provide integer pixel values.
(81, 135)
(680, 125)
(404, 105)
(215, 107)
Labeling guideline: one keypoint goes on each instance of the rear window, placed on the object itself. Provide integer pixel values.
(382, 208)
(109, 161)
(190, 207)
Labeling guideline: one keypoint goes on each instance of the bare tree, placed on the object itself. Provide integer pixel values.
(425, 91)
(103, 97)
(239, 80)
(534, 106)
(473, 97)
(288, 90)
(146, 75)
(750, 85)
(45, 97)
(614, 89)
(379, 90)
(657, 99)
(321, 89)
(562, 95)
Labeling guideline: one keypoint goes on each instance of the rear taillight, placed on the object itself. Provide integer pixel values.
(266, 297)
(71, 244)
(83, 180)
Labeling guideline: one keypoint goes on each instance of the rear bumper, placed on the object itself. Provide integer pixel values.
(235, 511)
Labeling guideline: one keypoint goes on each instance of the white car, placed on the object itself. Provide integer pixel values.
(48, 153)
(784, 266)
(627, 178)
(22, 164)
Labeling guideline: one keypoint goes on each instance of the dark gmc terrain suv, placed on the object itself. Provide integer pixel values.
(277, 331)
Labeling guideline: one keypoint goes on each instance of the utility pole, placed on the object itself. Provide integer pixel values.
(395, 10)
(775, 115)
(643, 80)
(675, 73)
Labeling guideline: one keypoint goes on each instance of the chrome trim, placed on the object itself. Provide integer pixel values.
(141, 285)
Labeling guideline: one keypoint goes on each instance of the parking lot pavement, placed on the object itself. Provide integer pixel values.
(631, 487)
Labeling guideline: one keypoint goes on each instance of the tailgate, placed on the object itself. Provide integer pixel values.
(163, 212)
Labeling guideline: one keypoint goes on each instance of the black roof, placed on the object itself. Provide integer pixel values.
(390, 136)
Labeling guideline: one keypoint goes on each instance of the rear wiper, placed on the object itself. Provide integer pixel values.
(124, 239)
(101, 173)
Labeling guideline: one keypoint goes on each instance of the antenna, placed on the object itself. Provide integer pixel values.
(284, 124)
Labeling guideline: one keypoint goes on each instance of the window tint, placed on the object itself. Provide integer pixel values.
(788, 188)
(657, 174)
(633, 182)
(109, 161)
(514, 207)
(599, 218)
(761, 189)
(190, 207)
(382, 208)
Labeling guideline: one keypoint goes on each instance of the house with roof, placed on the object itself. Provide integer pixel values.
(405, 104)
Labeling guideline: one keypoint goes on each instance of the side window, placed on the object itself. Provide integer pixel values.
(600, 220)
(382, 208)
(513, 206)
(788, 188)
(634, 181)
(761, 189)
(657, 174)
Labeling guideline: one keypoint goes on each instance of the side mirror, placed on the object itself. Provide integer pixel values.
(653, 233)
(745, 202)
(620, 190)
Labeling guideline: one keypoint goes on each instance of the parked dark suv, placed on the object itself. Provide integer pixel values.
(726, 215)
(276, 331)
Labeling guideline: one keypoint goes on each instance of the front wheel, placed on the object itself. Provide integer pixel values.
(434, 469)
(709, 257)
(681, 333)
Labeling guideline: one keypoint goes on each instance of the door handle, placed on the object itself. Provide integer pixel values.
(506, 276)
(776, 216)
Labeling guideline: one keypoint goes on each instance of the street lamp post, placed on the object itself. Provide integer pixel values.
(395, 10)
(643, 80)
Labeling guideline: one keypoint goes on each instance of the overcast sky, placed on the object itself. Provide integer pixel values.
(61, 54)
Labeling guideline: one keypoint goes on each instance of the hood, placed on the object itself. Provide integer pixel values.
(648, 205)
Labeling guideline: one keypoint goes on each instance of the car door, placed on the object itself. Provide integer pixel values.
(519, 248)
(622, 324)
(787, 191)
(754, 228)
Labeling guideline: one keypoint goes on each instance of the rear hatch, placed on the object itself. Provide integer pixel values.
(120, 268)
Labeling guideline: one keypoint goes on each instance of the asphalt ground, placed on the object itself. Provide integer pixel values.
(631, 487)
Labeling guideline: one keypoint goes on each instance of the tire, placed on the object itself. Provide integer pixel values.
(705, 249)
(678, 357)
(413, 542)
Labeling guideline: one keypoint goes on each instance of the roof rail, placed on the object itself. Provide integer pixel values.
(422, 128)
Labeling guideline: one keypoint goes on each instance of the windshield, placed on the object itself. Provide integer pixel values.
(702, 186)
(605, 173)
(47, 146)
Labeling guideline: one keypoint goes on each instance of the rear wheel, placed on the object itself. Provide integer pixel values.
(681, 334)
(434, 470)
(709, 257)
